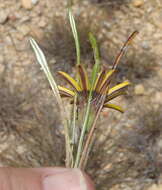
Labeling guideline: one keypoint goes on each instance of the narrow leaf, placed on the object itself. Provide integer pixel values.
(114, 95)
(118, 87)
(115, 107)
(83, 78)
(70, 80)
(42, 61)
(75, 35)
(65, 92)
(96, 66)
(99, 81)
(123, 49)
(95, 47)
(106, 82)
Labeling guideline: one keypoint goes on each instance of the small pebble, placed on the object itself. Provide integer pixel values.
(145, 45)
(139, 89)
(138, 3)
(26, 4)
(3, 17)
(42, 23)
(158, 97)
(34, 2)
(23, 29)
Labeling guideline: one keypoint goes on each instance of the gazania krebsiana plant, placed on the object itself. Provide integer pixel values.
(101, 88)
(95, 92)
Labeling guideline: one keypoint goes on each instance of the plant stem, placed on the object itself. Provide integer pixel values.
(84, 127)
(90, 135)
(87, 114)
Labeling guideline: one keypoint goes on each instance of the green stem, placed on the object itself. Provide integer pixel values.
(84, 127)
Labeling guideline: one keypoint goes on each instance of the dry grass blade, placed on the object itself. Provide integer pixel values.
(122, 51)
(75, 35)
(42, 61)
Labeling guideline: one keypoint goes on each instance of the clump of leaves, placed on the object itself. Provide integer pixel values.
(89, 96)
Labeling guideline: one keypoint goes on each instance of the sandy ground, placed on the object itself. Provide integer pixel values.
(126, 156)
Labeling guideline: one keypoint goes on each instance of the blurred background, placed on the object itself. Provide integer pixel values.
(127, 152)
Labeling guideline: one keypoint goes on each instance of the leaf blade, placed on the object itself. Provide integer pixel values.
(70, 80)
(115, 107)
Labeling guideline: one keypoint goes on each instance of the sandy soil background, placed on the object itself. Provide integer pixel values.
(128, 150)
